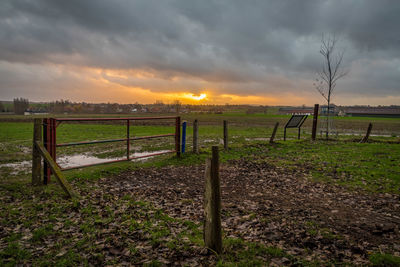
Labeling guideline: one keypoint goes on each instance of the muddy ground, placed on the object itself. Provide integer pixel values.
(313, 223)
(266, 204)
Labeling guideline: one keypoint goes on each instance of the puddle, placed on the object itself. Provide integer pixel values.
(257, 139)
(74, 160)
(85, 159)
(26, 150)
(372, 135)
(81, 159)
(18, 167)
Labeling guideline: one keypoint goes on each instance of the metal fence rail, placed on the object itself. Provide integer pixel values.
(50, 137)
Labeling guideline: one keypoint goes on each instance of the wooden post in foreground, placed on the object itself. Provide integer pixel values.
(212, 204)
(55, 169)
(315, 121)
(225, 135)
(365, 139)
(36, 158)
(196, 136)
(271, 140)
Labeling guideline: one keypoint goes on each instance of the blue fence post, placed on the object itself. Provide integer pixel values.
(183, 136)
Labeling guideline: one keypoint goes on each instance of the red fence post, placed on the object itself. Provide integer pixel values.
(49, 140)
(36, 157)
(178, 136)
(47, 143)
(128, 143)
(53, 139)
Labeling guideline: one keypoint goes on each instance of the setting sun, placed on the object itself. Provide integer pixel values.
(197, 97)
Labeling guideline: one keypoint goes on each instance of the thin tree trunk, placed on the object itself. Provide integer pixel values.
(327, 119)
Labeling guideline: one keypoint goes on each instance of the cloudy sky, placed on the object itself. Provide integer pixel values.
(254, 52)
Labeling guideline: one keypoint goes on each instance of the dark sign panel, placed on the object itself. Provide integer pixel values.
(295, 121)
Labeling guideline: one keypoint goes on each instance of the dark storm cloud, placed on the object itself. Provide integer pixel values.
(243, 45)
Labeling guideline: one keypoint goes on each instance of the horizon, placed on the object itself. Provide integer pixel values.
(208, 53)
(201, 104)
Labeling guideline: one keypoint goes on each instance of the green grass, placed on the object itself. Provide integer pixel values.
(42, 232)
(237, 252)
(14, 255)
(314, 229)
(15, 138)
(87, 227)
(373, 166)
(379, 259)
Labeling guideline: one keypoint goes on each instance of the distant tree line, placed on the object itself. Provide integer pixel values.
(20, 105)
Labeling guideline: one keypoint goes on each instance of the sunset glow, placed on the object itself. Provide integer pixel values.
(197, 97)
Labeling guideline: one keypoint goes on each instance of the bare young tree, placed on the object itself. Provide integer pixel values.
(331, 72)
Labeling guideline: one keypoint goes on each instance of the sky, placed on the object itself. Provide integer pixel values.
(199, 52)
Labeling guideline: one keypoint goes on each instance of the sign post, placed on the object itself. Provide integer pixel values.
(296, 121)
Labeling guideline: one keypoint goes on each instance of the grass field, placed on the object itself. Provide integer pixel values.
(344, 125)
(344, 159)
(371, 167)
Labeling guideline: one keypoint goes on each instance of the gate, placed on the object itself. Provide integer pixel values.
(50, 137)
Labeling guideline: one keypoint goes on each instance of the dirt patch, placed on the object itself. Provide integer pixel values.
(275, 207)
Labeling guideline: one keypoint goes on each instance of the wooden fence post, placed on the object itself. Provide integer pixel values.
(315, 121)
(36, 158)
(271, 140)
(365, 139)
(55, 170)
(212, 204)
(196, 136)
(225, 135)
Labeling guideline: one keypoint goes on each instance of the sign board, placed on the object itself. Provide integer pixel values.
(295, 121)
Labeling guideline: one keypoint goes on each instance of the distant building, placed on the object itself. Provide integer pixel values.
(296, 111)
(35, 113)
(383, 112)
(333, 110)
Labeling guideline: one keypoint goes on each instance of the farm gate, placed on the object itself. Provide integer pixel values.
(50, 139)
